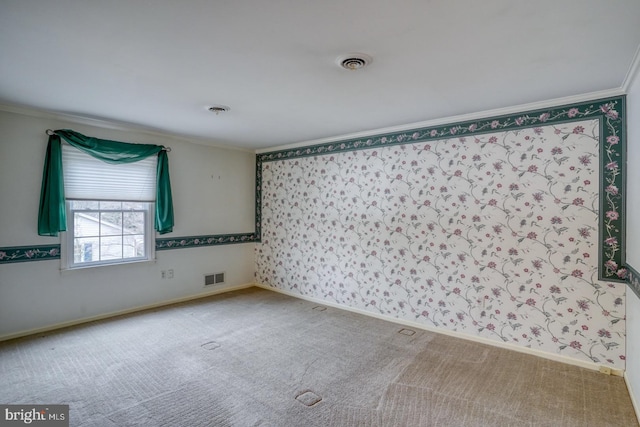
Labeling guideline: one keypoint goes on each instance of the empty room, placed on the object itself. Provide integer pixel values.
(360, 213)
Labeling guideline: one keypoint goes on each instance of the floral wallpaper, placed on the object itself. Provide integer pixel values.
(501, 234)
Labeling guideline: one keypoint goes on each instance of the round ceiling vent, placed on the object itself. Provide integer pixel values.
(218, 109)
(354, 61)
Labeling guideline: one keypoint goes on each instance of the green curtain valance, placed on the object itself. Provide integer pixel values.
(52, 213)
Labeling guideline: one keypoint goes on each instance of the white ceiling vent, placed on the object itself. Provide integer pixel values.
(354, 61)
(217, 108)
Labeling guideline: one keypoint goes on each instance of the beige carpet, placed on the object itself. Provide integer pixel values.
(258, 358)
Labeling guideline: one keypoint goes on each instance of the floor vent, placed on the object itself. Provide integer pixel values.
(213, 279)
(211, 345)
(308, 398)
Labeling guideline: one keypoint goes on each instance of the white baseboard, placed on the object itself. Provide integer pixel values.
(634, 401)
(462, 335)
(121, 312)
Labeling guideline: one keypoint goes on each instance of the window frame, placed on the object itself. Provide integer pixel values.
(68, 238)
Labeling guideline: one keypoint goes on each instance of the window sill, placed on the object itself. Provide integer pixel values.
(64, 269)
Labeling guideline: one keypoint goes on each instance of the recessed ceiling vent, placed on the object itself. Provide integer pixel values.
(218, 109)
(354, 61)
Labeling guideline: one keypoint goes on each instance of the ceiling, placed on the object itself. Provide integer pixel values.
(158, 64)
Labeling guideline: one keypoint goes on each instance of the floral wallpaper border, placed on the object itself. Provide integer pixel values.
(46, 252)
(205, 240)
(634, 279)
(29, 253)
(610, 112)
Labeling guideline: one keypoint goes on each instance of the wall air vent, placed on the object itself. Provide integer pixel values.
(213, 279)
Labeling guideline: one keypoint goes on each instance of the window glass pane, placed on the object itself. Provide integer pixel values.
(86, 249)
(86, 224)
(133, 222)
(111, 205)
(108, 232)
(110, 248)
(110, 223)
(84, 204)
(133, 246)
(134, 205)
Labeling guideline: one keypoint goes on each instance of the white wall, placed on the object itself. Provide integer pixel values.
(633, 236)
(213, 193)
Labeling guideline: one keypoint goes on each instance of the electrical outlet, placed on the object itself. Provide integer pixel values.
(163, 274)
(170, 273)
(605, 370)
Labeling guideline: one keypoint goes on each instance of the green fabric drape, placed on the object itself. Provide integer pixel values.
(52, 214)
(164, 201)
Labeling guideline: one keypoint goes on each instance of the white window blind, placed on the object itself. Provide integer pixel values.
(87, 178)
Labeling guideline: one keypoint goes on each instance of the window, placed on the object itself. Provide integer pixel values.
(109, 210)
(107, 232)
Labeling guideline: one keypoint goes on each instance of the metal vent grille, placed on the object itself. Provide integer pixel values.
(213, 279)
(354, 61)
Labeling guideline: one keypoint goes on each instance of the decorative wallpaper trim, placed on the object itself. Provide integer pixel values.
(44, 252)
(29, 253)
(258, 203)
(609, 111)
(633, 279)
(206, 240)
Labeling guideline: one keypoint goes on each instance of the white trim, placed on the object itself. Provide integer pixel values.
(67, 250)
(508, 346)
(122, 312)
(633, 72)
(130, 127)
(115, 125)
(454, 119)
(634, 401)
(461, 335)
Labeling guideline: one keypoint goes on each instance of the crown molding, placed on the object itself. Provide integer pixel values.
(633, 72)
(454, 119)
(114, 125)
